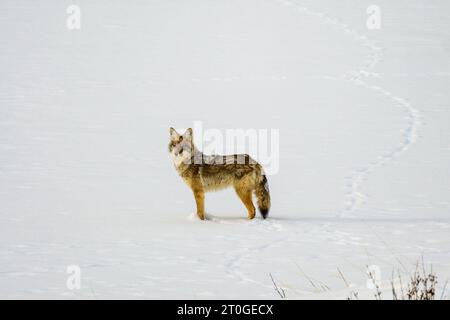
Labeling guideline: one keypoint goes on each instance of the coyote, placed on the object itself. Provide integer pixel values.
(204, 173)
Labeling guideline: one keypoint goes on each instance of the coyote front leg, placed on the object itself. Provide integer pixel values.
(200, 201)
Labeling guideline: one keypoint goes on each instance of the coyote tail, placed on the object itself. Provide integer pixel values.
(262, 194)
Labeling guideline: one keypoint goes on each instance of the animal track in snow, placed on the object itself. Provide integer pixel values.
(354, 196)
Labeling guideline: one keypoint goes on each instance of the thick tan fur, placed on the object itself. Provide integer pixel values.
(204, 173)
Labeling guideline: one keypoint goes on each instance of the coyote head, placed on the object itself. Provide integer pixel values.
(181, 147)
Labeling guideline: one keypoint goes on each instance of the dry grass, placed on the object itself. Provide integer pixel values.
(377, 293)
(421, 286)
(277, 288)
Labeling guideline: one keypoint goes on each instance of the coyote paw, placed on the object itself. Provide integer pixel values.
(201, 216)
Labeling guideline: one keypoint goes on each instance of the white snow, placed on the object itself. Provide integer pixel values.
(86, 178)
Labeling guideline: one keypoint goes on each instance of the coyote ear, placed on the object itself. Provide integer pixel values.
(174, 134)
(188, 134)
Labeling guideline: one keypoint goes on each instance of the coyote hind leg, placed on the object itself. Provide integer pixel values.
(246, 197)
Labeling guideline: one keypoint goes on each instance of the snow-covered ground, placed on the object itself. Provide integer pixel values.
(86, 179)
